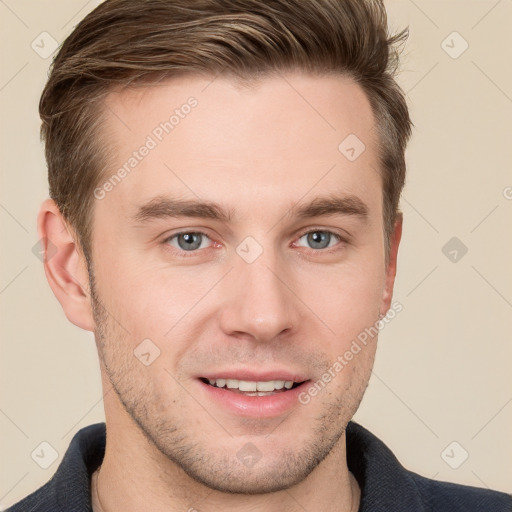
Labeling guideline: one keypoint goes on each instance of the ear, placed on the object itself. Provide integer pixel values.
(64, 265)
(394, 242)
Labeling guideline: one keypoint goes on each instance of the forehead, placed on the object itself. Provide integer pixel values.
(274, 139)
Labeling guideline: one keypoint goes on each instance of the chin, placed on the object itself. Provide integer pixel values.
(252, 481)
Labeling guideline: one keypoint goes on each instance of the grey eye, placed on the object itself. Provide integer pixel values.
(189, 241)
(319, 239)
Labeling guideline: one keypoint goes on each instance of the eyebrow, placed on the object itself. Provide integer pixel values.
(332, 205)
(164, 207)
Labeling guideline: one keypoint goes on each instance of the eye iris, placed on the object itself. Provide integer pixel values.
(317, 239)
(191, 241)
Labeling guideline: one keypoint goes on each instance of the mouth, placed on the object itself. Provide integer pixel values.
(253, 394)
(252, 388)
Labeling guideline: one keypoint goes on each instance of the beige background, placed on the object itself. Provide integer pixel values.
(443, 369)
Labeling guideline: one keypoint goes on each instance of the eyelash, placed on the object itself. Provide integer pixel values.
(188, 254)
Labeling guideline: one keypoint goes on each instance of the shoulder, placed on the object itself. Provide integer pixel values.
(39, 501)
(386, 485)
(446, 496)
(68, 489)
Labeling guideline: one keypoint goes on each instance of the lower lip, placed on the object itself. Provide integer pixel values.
(254, 406)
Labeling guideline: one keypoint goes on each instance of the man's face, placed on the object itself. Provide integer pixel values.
(240, 292)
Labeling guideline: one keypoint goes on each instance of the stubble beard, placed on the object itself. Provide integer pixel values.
(215, 470)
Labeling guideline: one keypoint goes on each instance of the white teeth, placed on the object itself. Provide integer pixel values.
(245, 385)
(250, 386)
(265, 386)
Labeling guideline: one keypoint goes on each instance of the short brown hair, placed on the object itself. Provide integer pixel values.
(135, 42)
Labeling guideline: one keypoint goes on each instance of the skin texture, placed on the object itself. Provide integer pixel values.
(259, 151)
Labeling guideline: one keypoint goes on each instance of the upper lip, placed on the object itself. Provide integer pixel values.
(253, 376)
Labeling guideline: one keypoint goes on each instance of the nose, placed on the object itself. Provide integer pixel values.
(259, 300)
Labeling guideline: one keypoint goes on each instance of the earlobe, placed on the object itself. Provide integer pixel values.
(394, 243)
(65, 266)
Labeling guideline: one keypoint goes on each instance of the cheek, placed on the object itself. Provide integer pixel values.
(153, 302)
(348, 300)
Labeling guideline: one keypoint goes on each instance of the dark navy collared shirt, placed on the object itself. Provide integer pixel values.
(386, 486)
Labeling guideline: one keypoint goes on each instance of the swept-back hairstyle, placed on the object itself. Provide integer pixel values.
(125, 43)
